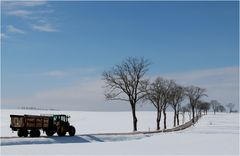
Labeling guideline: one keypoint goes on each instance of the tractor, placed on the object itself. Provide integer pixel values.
(32, 124)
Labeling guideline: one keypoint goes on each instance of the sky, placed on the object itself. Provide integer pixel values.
(53, 53)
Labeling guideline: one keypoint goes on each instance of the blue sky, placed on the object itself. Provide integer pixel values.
(49, 46)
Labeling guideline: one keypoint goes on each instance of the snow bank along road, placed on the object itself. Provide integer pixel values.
(213, 134)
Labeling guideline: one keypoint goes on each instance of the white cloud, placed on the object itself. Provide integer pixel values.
(222, 83)
(55, 73)
(31, 3)
(20, 13)
(31, 13)
(3, 35)
(88, 94)
(203, 74)
(44, 27)
(83, 95)
(12, 29)
(13, 4)
(67, 72)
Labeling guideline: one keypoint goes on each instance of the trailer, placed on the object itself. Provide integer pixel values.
(32, 124)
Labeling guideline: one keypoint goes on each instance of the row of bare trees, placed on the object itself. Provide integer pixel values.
(127, 82)
(231, 107)
(162, 93)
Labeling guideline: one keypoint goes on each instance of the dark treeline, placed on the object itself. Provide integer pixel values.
(35, 108)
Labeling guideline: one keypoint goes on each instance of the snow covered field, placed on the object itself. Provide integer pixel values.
(94, 122)
(213, 134)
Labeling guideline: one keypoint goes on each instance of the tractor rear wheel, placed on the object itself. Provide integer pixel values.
(50, 132)
(61, 131)
(71, 131)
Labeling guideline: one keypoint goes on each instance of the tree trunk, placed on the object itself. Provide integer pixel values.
(197, 114)
(175, 117)
(165, 118)
(183, 120)
(189, 116)
(134, 117)
(178, 119)
(193, 114)
(158, 119)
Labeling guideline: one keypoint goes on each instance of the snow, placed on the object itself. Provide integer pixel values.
(94, 122)
(212, 135)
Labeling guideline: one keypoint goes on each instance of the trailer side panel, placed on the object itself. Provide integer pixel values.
(29, 122)
(17, 121)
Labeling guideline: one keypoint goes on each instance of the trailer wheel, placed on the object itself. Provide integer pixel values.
(25, 133)
(20, 133)
(72, 131)
(50, 132)
(32, 133)
(37, 133)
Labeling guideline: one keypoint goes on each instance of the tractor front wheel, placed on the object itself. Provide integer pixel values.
(71, 131)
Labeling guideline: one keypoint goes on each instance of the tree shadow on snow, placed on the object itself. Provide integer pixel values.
(94, 138)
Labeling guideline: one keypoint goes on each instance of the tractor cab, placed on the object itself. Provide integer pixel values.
(60, 122)
(60, 117)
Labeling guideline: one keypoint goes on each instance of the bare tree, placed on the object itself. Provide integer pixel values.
(221, 108)
(126, 82)
(202, 106)
(215, 104)
(176, 97)
(155, 94)
(205, 107)
(168, 85)
(199, 107)
(230, 106)
(183, 110)
(194, 94)
(189, 107)
(158, 94)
